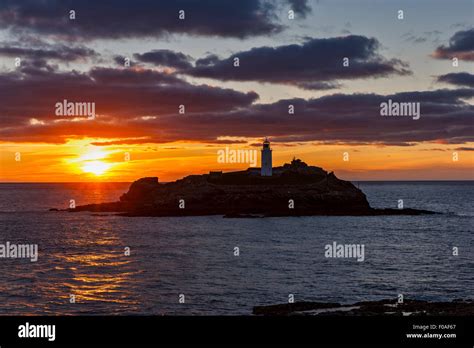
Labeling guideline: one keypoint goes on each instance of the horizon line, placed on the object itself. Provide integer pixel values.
(164, 182)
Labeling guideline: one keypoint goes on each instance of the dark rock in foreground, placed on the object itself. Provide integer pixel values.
(295, 189)
(383, 307)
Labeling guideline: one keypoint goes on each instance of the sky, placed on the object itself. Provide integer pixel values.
(290, 53)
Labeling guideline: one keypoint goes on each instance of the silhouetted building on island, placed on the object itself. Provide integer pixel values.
(215, 174)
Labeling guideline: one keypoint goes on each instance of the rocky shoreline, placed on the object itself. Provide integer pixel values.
(294, 189)
(370, 308)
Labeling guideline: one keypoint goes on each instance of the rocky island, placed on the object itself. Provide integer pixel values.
(294, 189)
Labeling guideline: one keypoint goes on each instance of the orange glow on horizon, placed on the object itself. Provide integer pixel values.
(79, 161)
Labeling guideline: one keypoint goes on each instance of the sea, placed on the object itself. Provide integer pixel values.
(104, 264)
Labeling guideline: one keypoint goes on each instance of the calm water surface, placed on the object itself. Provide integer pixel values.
(83, 254)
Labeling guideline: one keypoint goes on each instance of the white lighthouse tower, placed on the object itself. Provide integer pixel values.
(266, 159)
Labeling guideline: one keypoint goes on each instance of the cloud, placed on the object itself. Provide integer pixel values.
(120, 60)
(54, 52)
(409, 37)
(131, 77)
(210, 60)
(125, 93)
(319, 85)
(168, 58)
(461, 46)
(138, 106)
(300, 7)
(459, 79)
(127, 141)
(142, 18)
(309, 65)
(464, 149)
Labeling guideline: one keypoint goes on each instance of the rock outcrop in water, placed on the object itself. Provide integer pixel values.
(383, 307)
(294, 189)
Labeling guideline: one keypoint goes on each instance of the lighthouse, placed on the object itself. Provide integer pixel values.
(266, 159)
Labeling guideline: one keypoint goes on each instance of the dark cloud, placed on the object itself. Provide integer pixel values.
(120, 60)
(142, 18)
(129, 77)
(464, 149)
(140, 106)
(459, 79)
(168, 58)
(134, 141)
(309, 65)
(225, 141)
(125, 93)
(461, 45)
(129, 141)
(36, 67)
(343, 118)
(54, 52)
(210, 60)
(319, 85)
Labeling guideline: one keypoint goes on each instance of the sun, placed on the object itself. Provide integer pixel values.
(95, 167)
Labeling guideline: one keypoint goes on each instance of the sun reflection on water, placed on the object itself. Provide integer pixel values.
(98, 269)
